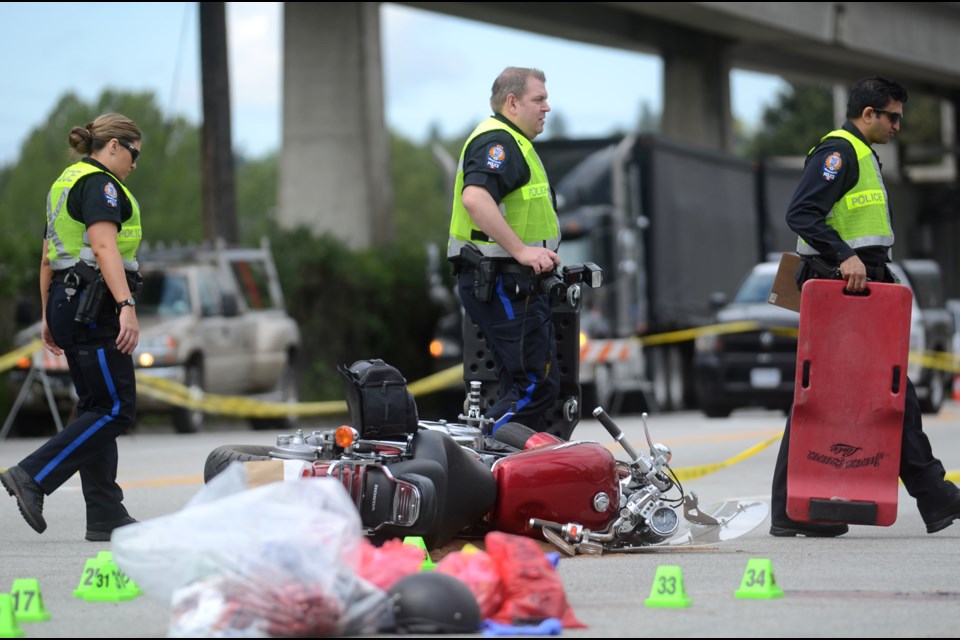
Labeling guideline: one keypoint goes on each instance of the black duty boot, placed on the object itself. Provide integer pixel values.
(101, 531)
(29, 495)
(943, 517)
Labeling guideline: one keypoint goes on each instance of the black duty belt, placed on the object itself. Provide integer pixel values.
(498, 266)
(61, 276)
(133, 278)
(820, 268)
(513, 267)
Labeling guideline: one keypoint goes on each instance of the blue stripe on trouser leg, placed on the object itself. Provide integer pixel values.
(521, 403)
(507, 304)
(96, 426)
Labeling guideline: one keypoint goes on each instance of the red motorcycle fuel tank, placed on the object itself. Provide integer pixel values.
(569, 482)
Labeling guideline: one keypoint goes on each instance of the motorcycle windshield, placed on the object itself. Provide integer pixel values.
(734, 519)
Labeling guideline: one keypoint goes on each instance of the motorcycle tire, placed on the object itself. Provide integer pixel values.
(513, 434)
(221, 457)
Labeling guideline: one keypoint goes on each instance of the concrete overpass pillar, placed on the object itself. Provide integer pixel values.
(696, 92)
(334, 169)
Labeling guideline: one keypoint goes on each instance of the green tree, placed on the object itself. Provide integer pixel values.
(921, 133)
(648, 121)
(256, 197)
(795, 122)
(421, 189)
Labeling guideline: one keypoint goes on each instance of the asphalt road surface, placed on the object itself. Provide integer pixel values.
(875, 581)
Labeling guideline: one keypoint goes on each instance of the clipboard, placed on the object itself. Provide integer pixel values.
(784, 292)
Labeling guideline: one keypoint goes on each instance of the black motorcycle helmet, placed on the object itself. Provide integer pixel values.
(431, 602)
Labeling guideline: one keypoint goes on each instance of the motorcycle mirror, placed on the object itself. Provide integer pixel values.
(646, 432)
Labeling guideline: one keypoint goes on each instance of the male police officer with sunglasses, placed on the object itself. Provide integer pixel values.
(841, 213)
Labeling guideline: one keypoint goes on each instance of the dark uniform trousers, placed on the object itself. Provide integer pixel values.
(106, 388)
(519, 332)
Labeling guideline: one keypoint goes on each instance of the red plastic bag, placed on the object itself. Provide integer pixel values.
(385, 565)
(532, 589)
(477, 570)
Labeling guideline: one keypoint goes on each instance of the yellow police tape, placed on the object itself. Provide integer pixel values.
(9, 360)
(685, 335)
(191, 398)
(692, 473)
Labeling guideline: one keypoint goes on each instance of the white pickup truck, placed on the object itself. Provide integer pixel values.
(211, 318)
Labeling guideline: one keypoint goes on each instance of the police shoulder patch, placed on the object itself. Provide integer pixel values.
(110, 194)
(834, 162)
(831, 166)
(496, 156)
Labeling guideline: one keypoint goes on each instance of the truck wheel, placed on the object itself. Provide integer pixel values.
(935, 393)
(190, 420)
(716, 410)
(676, 384)
(658, 377)
(600, 393)
(669, 385)
(286, 392)
(221, 457)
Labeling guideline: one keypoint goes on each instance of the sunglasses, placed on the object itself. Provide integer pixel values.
(895, 118)
(134, 152)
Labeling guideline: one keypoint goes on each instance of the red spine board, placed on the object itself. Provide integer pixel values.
(847, 422)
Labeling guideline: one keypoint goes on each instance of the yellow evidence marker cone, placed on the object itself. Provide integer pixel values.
(417, 541)
(758, 581)
(667, 589)
(127, 581)
(27, 601)
(102, 581)
(9, 628)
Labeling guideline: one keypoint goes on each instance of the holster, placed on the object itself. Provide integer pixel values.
(484, 271)
(92, 289)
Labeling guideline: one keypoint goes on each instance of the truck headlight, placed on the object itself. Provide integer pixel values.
(444, 347)
(156, 351)
(707, 343)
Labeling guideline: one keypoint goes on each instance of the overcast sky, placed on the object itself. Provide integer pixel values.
(437, 69)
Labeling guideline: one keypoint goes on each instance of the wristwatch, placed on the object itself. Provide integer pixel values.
(129, 302)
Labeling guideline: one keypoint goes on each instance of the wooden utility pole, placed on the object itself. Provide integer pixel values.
(218, 184)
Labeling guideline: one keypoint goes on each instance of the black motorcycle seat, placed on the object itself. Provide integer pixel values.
(465, 489)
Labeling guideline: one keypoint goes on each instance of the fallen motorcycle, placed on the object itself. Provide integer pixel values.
(444, 480)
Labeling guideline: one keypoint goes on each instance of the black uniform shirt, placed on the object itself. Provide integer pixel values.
(828, 173)
(493, 160)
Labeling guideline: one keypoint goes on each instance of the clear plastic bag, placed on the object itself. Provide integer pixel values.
(276, 560)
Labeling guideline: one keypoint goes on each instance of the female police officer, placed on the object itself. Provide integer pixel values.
(89, 254)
